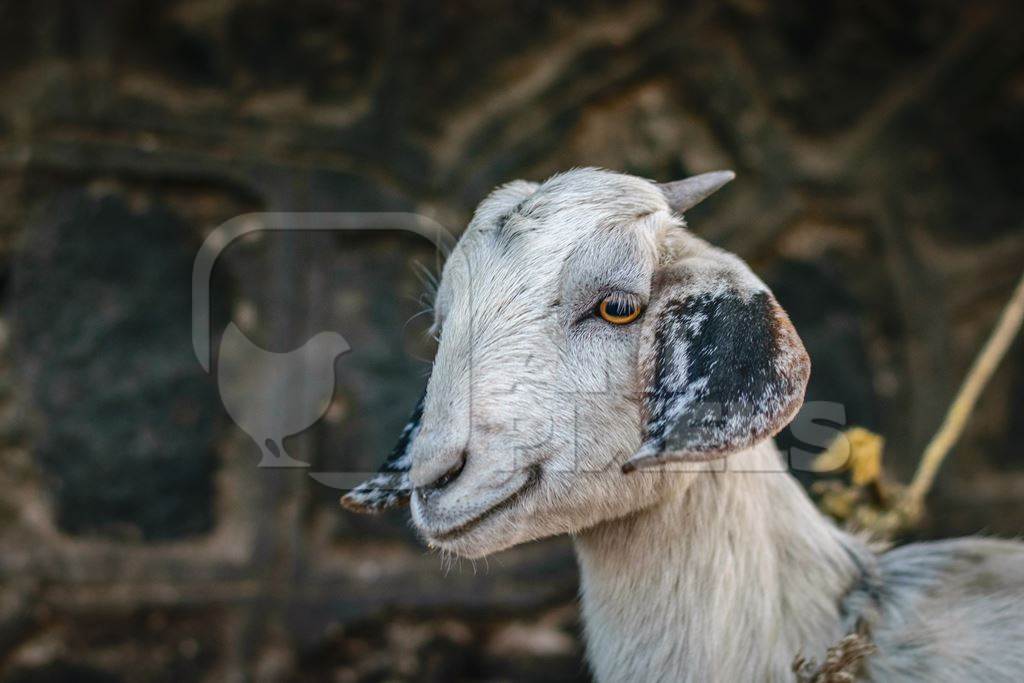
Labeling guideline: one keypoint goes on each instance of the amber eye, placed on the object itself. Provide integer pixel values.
(619, 309)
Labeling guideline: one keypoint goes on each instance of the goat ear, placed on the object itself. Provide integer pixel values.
(722, 365)
(390, 487)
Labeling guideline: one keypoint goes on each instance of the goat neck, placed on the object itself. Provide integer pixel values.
(726, 580)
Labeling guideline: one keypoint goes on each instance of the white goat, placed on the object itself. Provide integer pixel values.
(584, 333)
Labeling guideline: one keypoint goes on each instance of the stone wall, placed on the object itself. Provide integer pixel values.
(880, 192)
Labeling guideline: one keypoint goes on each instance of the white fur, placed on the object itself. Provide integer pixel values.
(725, 580)
(723, 571)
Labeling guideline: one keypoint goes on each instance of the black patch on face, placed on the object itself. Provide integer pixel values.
(397, 460)
(717, 384)
(390, 486)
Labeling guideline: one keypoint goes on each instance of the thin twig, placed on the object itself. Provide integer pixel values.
(960, 410)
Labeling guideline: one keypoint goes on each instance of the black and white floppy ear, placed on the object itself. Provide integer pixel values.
(390, 487)
(722, 366)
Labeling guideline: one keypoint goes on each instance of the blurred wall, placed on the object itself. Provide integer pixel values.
(880, 191)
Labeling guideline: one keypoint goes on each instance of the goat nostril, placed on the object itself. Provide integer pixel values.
(451, 475)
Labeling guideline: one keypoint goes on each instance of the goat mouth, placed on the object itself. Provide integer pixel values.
(532, 480)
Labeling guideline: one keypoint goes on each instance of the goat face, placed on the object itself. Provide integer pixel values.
(546, 385)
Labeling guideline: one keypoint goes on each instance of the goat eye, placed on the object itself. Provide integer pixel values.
(619, 309)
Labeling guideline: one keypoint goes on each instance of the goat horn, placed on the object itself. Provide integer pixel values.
(683, 195)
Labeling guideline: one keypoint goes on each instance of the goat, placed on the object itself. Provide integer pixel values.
(602, 372)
